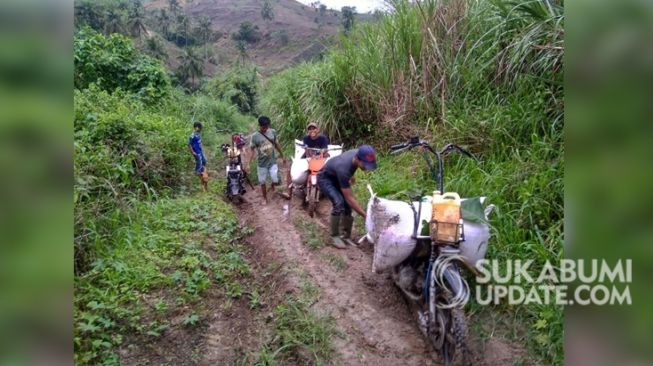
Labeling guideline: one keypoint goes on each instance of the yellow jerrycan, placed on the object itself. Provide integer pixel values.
(446, 217)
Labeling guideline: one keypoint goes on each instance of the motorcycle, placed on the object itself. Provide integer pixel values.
(236, 176)
(427, 254)
(306, 164)
(316, 160)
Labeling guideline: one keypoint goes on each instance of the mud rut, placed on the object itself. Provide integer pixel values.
(375, 322)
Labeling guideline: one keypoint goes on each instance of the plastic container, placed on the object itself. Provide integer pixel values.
(446, 218)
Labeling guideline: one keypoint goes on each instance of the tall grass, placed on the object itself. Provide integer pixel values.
(483, 74)
(406, 69)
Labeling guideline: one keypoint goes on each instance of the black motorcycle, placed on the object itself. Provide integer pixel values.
(236, 176)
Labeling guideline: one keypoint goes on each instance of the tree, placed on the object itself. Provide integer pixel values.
(241, 46)
(137, 19)
(114, 22)
(154, 47)
(204, 31)
(323, 10)
(88, 13)
(183, 27)
(173, 6)
(191, 66)
(164, 22)
(267, 12)
(112, 62)
(348, 13)
(246, 32)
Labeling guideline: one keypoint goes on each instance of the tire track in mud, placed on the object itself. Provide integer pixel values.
(369, 311)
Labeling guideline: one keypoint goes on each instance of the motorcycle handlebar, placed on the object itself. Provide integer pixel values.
(317, 149)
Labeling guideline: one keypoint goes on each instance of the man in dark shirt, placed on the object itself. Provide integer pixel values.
(335, 181)
(314, 139)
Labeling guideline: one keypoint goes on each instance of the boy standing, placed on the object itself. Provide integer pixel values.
(195, 147)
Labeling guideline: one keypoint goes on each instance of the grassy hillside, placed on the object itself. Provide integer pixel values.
(485, 75)
(296, 33)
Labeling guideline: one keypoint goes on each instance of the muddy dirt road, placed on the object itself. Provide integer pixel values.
(376, 325)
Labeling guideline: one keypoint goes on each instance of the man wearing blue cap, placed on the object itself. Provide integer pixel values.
(335, 181)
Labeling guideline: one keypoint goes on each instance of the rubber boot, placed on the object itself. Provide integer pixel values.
(347, 223)
(335, 229)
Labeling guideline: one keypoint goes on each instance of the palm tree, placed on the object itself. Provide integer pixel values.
(267, 13)
(191, 65)
(164, 22)
(348, 13)
(174, 7)
(183, 27)
(113, 22)
(137, 19)
(204, 31)
(241, 46)
(88, 13)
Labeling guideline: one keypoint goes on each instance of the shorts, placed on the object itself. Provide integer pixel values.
(200, 163)
(263, 173)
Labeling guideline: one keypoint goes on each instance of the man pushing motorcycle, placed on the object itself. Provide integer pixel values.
(335, 180)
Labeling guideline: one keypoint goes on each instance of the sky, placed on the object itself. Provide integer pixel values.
(362, 6)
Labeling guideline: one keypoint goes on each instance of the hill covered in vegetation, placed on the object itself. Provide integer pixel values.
(215, 35)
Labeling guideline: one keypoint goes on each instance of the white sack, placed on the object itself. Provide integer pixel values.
(299, 151)
(299, 171)
(477, 234)
(390, 226)
(299, 166)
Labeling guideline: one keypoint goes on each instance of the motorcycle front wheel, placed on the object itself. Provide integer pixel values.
(447, 327)
(454, 350)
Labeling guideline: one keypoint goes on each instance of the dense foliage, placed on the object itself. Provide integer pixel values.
(236, 86)
(135, 232)
(247, 32)
(130, 143)
(486, 75)
(112, 62)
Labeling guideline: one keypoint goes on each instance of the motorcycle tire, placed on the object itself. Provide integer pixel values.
(454, 351)
(311, 208)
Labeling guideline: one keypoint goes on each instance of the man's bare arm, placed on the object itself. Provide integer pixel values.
(351, 200)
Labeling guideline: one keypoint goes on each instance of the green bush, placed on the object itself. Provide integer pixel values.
(247, 32)
(123, 151)
(112, 62)
(236, 86)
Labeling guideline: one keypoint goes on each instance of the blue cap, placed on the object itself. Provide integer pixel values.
(367, 156)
